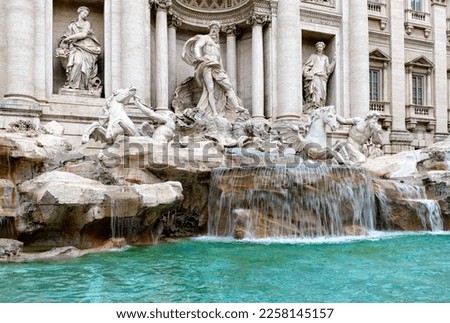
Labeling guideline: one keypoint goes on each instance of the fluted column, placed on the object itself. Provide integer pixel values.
(20, 31)
(174, 23)
(162, 58)
(359, 58)
(231, 31)
(439, 20)
(257, 21)
(133, 44)
(289, 60)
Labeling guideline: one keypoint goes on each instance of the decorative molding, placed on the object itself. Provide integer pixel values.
(200, 17)
(321, 18)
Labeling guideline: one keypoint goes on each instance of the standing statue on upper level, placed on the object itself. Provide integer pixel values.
(316, 71)
(203, 52)
(78, 51)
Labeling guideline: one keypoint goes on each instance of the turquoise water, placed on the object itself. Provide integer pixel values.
(399, 268)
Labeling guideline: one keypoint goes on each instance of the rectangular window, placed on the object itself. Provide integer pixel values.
(375, 86)
(417, 5)
(418, 89)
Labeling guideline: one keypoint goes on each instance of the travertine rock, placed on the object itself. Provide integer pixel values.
(9, 247)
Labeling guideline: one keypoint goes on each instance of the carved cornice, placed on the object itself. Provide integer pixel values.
(321, 18)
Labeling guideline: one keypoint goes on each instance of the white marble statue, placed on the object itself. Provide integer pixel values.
(203, 52)
(165, 122)
(114, 120)
(78, 51)
(316, 71)
(364, 137)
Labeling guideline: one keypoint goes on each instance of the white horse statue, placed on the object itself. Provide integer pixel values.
(114, 120)
(314, 144)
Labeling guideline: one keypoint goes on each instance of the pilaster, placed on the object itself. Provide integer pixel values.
(439, 23)
(400, 138)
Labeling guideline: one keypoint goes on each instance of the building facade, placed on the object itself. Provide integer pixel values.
(390, 56)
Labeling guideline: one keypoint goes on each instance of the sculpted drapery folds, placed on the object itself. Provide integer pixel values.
(203, 52)
(79, 50)
(316, 71)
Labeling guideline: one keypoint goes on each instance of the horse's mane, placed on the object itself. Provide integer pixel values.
(319, 111)
(316, 114)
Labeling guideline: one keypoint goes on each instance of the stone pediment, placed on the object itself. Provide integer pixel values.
(421, 62)
(379, 55)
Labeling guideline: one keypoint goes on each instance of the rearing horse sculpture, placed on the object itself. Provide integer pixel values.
(114, 120)
(314, 144)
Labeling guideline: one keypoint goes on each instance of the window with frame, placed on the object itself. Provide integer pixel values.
(375, 84)
(418, 89)
(417, 5)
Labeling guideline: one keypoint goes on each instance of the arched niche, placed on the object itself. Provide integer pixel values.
(65, 11)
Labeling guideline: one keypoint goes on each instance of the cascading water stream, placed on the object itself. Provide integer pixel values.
(428, 211)
(290, 201)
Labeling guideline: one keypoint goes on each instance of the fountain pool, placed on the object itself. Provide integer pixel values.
(384, 267)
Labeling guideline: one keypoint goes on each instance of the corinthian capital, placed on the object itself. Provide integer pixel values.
(230, 29)
(174, 21)
(161, 4)
(258, 19)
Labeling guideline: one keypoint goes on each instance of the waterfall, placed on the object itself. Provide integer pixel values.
(284, 201)
(428, 211)
(123, 224)
(383, 207)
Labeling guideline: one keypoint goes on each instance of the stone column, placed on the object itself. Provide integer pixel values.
(257, 21)
(40, 49)
(400, 84)
(133, 44)
(231, 32)
(174, 23)
(270, 58)
(20, 31)
(439, 21)
(162, 58)
(359, 58)
(289, 61)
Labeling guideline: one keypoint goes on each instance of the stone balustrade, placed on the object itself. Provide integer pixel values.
(417, 19)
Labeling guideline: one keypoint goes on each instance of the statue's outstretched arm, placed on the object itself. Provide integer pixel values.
(147, 111)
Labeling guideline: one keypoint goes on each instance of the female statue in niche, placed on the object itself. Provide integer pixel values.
(78, 51)
(316, 71)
